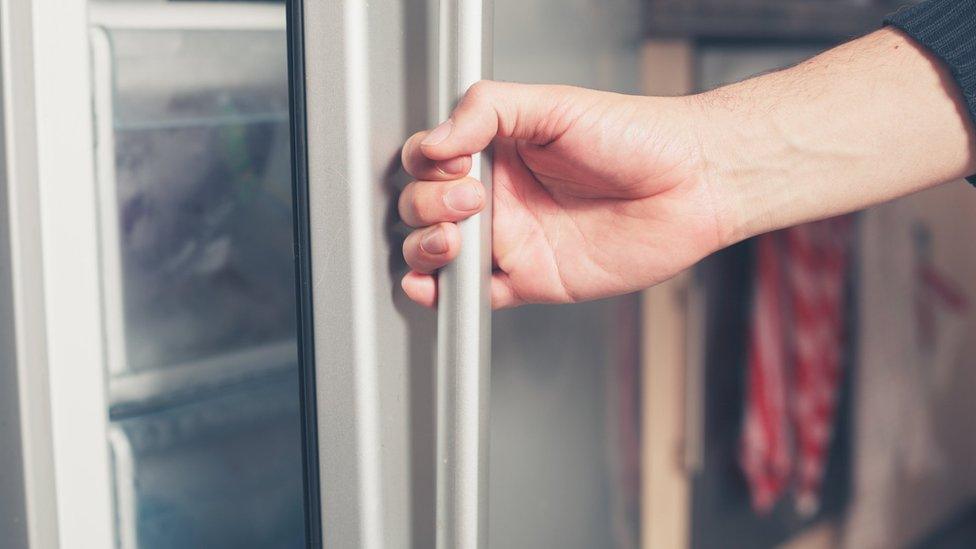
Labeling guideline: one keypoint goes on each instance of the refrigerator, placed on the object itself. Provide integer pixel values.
(205, 341)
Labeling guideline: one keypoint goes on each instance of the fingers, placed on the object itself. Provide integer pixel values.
(429, 249)
(441, 158)
(537, 114)
(421, 167)
(489, 109)
(425, 203)
(422, 289)
(503, 294)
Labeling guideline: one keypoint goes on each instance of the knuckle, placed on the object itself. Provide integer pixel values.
(419, 261)
(480, 91)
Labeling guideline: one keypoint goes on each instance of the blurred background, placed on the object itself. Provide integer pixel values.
(683, 416)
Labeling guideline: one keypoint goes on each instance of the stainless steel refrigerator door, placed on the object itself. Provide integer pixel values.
(361, 85)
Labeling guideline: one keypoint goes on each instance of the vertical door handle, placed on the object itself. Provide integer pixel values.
(464, 308)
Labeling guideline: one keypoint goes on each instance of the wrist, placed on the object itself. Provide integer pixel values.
(737, 144)
(867, 122)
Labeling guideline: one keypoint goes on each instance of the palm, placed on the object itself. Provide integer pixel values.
(594, 194)
(568, 229)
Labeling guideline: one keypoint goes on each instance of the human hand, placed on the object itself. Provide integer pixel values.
(595, 194)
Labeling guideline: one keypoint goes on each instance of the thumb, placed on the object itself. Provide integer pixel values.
(491, 109)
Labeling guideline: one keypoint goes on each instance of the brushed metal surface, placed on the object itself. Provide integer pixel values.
(464, 311)
(366, 90)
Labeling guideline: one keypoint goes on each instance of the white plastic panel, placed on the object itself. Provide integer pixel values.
(57, 363)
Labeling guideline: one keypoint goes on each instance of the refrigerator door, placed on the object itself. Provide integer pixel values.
(366, 76)
(163, 392)
(361, 76)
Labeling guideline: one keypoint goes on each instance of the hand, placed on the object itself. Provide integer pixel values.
(595, 194)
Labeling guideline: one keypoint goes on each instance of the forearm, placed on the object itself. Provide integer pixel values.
(867, 122)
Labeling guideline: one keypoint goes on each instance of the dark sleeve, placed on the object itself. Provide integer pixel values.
(948, 29)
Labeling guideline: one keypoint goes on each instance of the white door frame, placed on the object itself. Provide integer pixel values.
(58, 360)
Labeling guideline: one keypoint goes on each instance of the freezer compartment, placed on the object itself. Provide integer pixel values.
(222, 471)
(195, 182)
(195, 207)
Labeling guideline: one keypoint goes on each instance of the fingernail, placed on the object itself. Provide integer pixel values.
(454, 165)
(463, 198)
(439, 133)
(434, 242)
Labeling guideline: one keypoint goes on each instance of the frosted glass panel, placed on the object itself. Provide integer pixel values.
(203, 188)
(193, 162)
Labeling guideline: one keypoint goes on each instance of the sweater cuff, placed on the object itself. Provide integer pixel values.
(948, 29)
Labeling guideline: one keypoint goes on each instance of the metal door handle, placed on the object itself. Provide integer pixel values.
(464, 308)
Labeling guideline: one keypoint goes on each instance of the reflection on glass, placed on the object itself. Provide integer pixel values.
(204, 192)
(195, 200)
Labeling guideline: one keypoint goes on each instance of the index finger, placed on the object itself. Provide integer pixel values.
(418, 165)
